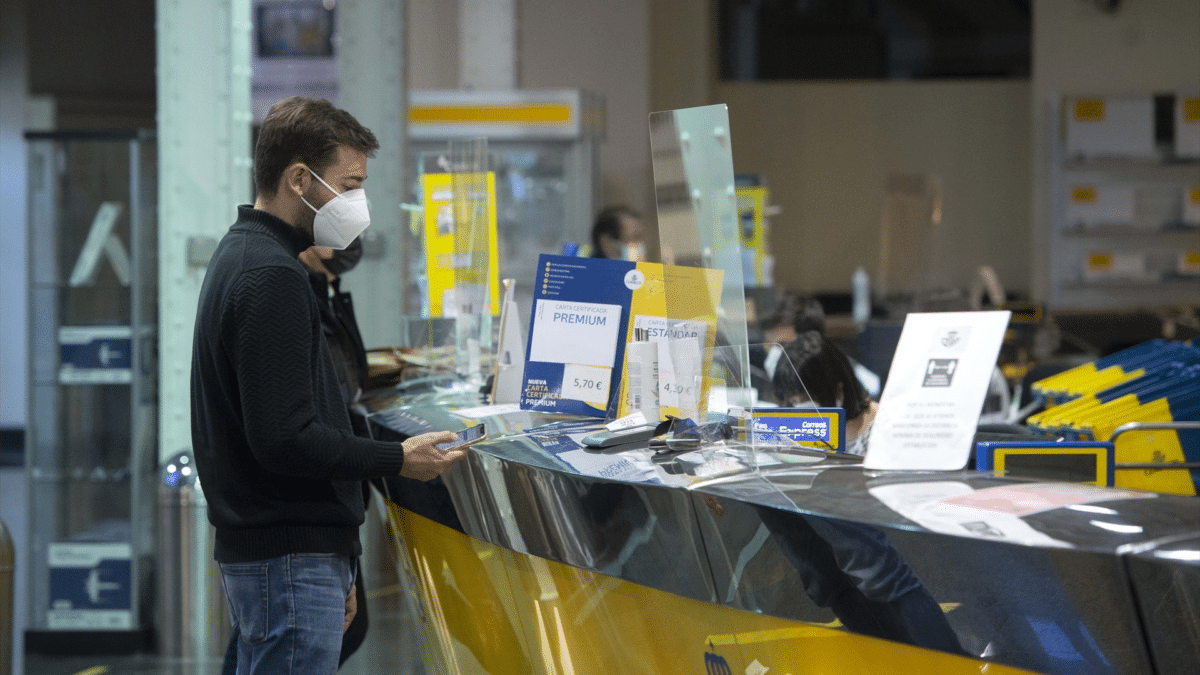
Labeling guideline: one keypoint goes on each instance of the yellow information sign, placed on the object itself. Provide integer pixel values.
(452, 254)
(677, 308)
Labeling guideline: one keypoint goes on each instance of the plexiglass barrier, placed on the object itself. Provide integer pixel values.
(447, 348)
(782, 421)
(697, 222)
(471, 258)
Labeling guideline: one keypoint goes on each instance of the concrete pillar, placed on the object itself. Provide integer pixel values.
(372, 86)
(487, 44)
(204, 163)
(14, 90)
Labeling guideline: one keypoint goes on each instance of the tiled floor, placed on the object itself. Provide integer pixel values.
(391, 647)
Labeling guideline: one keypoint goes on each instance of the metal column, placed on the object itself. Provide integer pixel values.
(204, 124)
(204, 159)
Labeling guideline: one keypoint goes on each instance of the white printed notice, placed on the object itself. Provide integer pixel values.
(575, 332)
(935, 389)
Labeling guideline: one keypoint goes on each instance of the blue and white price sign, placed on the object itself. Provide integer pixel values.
(576, 335)
(818, 428)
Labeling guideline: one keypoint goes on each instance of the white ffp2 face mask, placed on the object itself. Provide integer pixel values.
(341, 219)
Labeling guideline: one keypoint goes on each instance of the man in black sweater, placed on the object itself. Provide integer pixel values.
(279, 464)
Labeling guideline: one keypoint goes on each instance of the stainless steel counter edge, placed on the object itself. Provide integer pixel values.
(1055, 578)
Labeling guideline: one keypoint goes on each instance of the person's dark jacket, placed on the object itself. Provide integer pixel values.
(341, 333)
(278, 463)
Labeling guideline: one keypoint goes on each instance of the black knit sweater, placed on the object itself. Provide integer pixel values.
(278, 463)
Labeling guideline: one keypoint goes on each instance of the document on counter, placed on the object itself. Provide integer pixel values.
(568, 448)
(955, 508)
(934, 506)
(628, 467)
(935, 389)
(479, 412)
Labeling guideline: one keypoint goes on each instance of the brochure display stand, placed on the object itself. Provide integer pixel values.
(576, 335)
(586, 312)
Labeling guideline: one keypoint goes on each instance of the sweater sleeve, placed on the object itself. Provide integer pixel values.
(270, 321)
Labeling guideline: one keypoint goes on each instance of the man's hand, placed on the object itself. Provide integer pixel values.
(424, 461)
(351, 607)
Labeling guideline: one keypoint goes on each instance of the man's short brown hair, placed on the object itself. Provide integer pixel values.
(306, 130)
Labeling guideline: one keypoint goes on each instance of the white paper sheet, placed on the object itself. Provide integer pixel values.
(935, 390)
(575, 332)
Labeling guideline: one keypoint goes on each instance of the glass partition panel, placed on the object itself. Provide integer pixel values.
(784, 421)
(697, 222)
(92, 439)
(471, 257)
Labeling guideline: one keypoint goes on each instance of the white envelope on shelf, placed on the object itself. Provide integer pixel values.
(1093, 205)
(1102, 265)
(1100, 126)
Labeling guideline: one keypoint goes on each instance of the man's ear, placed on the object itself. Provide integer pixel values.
(296, 179)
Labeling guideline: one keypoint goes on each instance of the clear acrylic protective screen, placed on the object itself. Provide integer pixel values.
(472, 258)
(782, 423)
(710, 369)
(697, 225)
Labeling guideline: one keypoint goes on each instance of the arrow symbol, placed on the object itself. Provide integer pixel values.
(94, 585)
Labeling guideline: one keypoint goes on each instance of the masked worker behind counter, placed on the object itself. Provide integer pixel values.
(618, 234)
(280, 467)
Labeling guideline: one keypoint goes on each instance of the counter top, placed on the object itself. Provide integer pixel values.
(1051, 577)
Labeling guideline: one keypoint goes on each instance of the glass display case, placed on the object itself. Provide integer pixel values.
(92, 438)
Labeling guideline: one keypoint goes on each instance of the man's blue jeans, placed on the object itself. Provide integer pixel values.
(289, 612)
